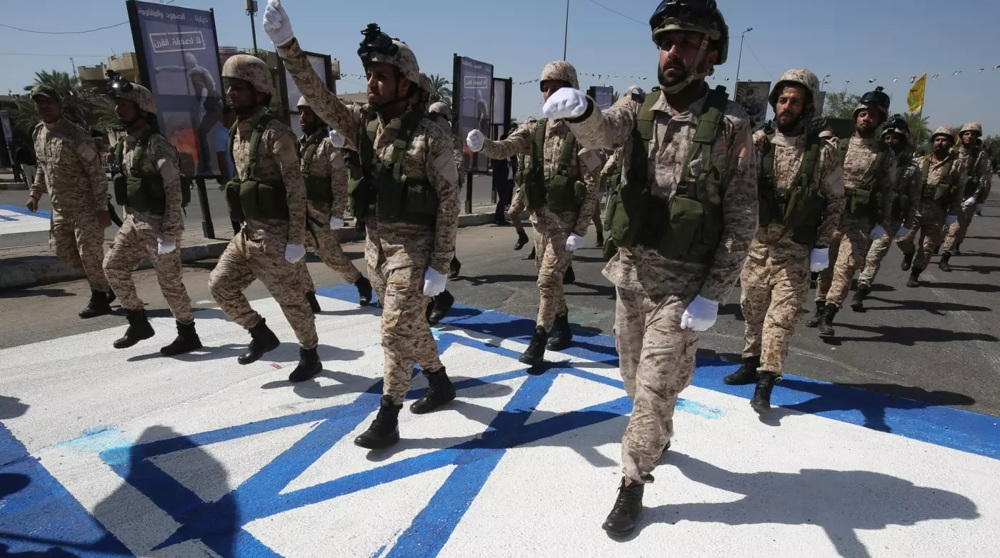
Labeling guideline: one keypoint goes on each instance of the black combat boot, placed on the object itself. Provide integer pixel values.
(535, 352)
(187, 340)
(914, 280)
(522, 240)
(818, 315)
(384, 430)
(561, 334)
(364, 291)
(826, 326)
(440, 305)
(956, 251)
(531, 256)
(858, 301)
(907, 262)
(454, 268)
(745, 374)
(309, 366)
(623, 517)
(263, 340)
(138, 328)
(440, 391)
(99, 305)
(570, 276)
(313, 303)
(762, 395)
(600, 239)
(943, 264)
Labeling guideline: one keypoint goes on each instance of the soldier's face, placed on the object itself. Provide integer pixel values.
(308, 120)
(895, 141)
(678, 51)
(384, 86)
(867, 120)
(968, 138)
(126, 111)
(242, 96)
(550, 86)
(942, 144)
(790, 106)
(48, 109)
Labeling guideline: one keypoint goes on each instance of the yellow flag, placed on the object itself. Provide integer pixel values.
(915, 98)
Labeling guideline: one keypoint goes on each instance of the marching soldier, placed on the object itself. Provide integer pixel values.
(974, 192)
(268, 197)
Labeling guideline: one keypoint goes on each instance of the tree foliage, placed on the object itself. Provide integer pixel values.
(840, 104)
(89, 109)
(439, 89)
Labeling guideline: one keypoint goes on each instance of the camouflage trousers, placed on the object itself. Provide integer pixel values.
(876, 253)
(375, 260)
(323, 240)
(955, 233)
(133, 244)
(246, 259)
(551, 259)
(516, 209)
(771, 300)
(406, 335)
(79, 241)
(929, 223)
(656, 360)
(847, 253)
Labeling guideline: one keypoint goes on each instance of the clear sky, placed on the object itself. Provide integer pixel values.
(848, 39)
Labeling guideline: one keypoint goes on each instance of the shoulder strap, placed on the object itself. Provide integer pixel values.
(258, 131)
(120, 153)
(644, 120)
(810, 162)
(767, 159)
(538, 146)
(406, 130)
(307, 158)
(925, 168)
(844, 145)
(141, 143)
(566, 155)
(709, 124)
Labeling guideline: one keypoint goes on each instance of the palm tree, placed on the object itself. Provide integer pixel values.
(82, 107)
(439, 89)
(920, 131)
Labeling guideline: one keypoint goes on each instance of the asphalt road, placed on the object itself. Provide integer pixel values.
(937, 344)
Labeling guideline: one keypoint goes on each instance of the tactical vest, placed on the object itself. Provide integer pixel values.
(521, 171)
(560, 193)
(384, 186)
(140, 191)
(901, 202)
(688, 227)
(971, 180)
(249, 197)
(317, 187)
(942, 191)
(360, 170)
(800, 207)
(863, 199)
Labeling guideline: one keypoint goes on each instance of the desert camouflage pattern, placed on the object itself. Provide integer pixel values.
(930, 215)
(908, 182)
(250, 69)
(978, 163)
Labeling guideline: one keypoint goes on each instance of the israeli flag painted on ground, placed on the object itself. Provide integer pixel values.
(14, 220)
(120, 453)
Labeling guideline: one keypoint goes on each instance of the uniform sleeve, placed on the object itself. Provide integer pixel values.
(338, 181)
(323, 102)
(590, 172)
(985, 172)
(38, 186)
(91, 162)
(282, 144)
(166, 163)
(443, 177)
(607, 129)
(518, 143)
(958, 173)
(739, 214)
(831, 185)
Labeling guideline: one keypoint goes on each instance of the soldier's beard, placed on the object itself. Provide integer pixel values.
(791, 127)
(311, 128)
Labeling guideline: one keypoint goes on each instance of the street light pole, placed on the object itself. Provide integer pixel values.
(251, 9)
(566, 30)
(739, 60)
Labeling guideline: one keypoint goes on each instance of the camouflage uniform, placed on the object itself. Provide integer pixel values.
(657, 356)
(328, 162)
(849, 244)
(139, 234)
(977, 163)
(775, 279)
(930, 215)
(70, 170)
(907, 183)
(397, 253)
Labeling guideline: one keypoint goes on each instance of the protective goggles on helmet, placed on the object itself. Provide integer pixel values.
(898, 124)
(682, 9)
(876, 98)
(117, 84)
(376, 42)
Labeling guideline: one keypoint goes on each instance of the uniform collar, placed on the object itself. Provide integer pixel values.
(782, 140)
(244, 126)
(688, 115)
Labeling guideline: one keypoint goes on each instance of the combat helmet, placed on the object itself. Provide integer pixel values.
(121, 88)
(897, 125)
(560, 70)
(379, 47)
(250, 69)
(797, 76)
(972, 127)
(873, 99)
(944, 131)
(700, 16)
(440, 108)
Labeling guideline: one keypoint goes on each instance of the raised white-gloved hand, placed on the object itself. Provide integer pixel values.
(819, 259)
(574, 241)
(476, 141)
(969, 202)
(878, 232)
(165, 246)
(294, 252)
(903, 231)
(336, 223)
(700, 314)
(951, 219)
(565, 103)
(434, 282)
(337, 139)
(276, 23)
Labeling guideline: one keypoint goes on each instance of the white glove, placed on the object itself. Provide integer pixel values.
(566, 103)
(574, 241)
(819, 259)
(476, 140)
(336, 223)
(294, 252)
(951, 219)
(434, 282)
(903, 231)
(276, 23)
(336, 138)
(878, 232)
(165, 247)
(700, 314)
